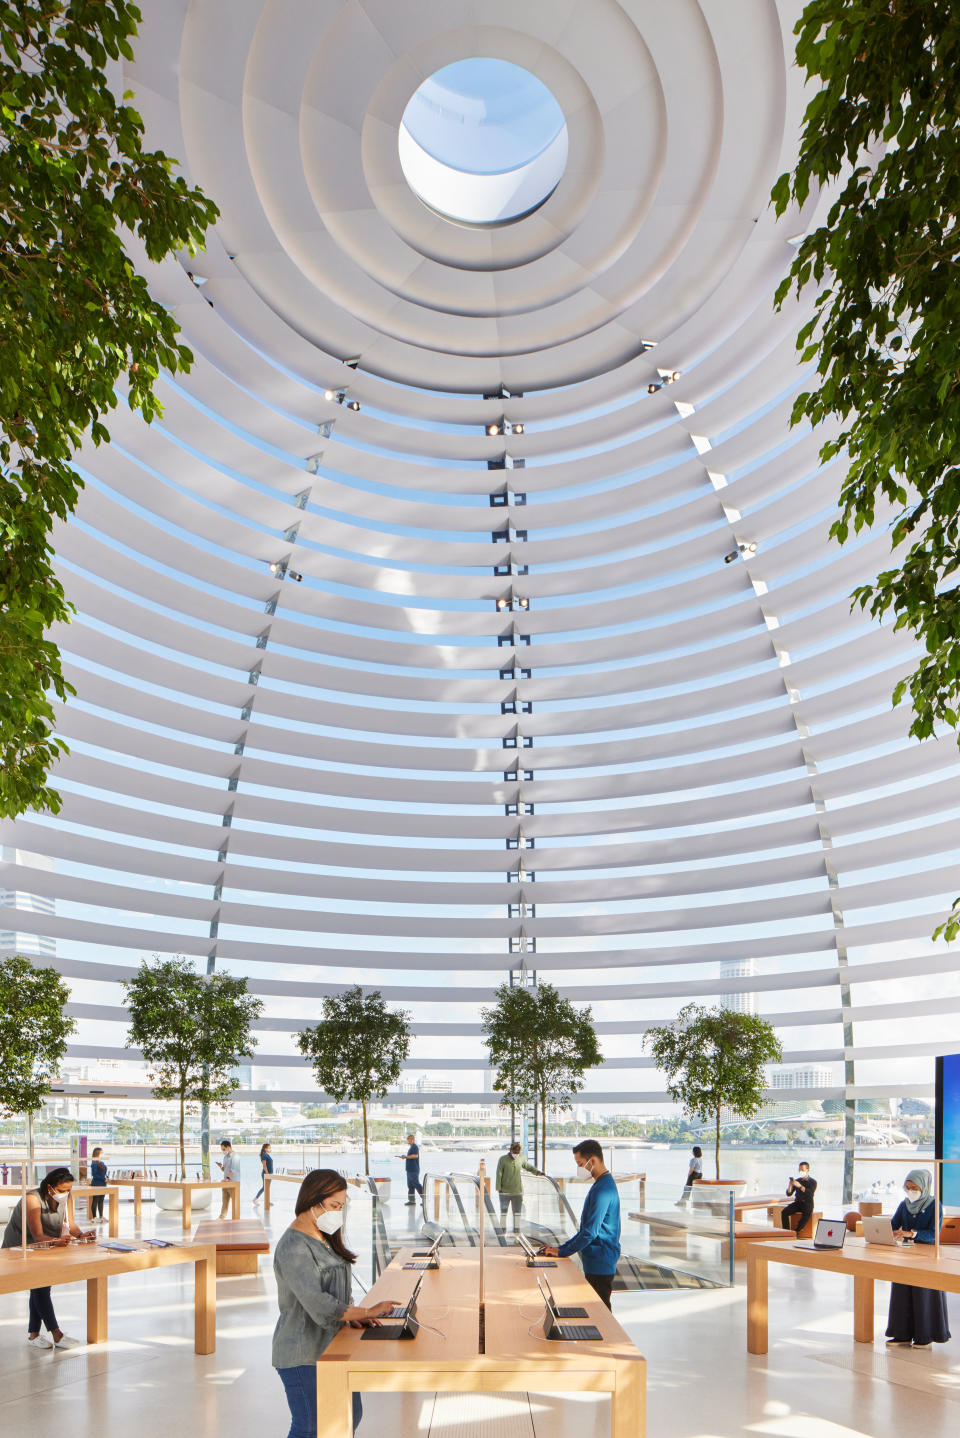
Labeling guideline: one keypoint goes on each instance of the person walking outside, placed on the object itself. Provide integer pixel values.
(312, 1266)
(801, 1189)
(694, 1174)
(98, 1179)
(48, 1217)
(266, 1166)
(230, 1168)
(509, 1182)
(412, 1164)
(597, 1240)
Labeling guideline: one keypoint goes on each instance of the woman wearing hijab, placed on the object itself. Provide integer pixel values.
(918, 1316)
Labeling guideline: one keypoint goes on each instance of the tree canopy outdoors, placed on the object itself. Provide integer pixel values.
(882, 131)
(34, 1029)
(357, 1050)
(541, 1047)
(77, 324)
(713, 1059)
(192, 1029)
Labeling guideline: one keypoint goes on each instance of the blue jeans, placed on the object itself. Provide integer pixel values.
(413, 1182)
(41, 1312)
(300, 1385)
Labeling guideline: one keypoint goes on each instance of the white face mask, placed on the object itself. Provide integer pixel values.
(60, 1198)
(329, 1219)
(584, 1175)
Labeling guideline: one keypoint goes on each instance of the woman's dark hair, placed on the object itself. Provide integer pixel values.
(263, 1149)
(697, 1151)
(52, 1179)
(319, 1185)
(589, 1148)
(96, 1151)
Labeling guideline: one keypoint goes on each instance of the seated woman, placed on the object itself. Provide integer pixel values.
(918, 1316)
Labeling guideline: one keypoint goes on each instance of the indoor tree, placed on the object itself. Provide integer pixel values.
(881, 132)
(714, 1059)
(34, 1029)
(192, 1030)
(78, 196)
(541, 1046)
(357, 1050)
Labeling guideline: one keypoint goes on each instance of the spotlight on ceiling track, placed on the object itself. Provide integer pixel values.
(653, 388)
(744, 550)
(518, 429)
(292, 574)
(330, 395)
(354, 404)
(276, 568)
(493, 429)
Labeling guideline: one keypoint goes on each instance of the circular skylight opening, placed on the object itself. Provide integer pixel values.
(483, 142)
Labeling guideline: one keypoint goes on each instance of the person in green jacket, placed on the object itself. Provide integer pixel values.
(510, 1182)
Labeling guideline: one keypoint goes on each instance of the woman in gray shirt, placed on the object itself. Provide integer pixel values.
(312, 1266)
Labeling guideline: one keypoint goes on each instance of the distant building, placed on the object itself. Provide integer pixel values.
(739, 1003)
(815, 1076)
(13, 940)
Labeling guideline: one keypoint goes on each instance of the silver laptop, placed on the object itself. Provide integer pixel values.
(830, 1234)
(879, 1230)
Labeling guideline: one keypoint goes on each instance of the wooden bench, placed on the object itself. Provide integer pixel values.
(239, 1243)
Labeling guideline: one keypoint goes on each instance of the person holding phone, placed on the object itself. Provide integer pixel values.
(801, 1189)
(49, 1217)
(312, 1266)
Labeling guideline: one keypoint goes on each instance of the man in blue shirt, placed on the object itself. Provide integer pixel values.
(598, 1237)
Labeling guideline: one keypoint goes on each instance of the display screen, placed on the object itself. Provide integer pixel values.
(948, 1126)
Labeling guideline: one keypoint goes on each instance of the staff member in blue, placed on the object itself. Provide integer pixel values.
(598, 1238)
(412, 1162)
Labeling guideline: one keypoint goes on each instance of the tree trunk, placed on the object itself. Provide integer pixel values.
(183, 1150)
(543, 1134)
(366, 1146)
(30, 1146)
(716, 1151)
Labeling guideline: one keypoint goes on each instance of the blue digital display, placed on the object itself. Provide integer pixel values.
(948, 1126)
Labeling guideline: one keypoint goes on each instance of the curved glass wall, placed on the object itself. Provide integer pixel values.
(471, 609)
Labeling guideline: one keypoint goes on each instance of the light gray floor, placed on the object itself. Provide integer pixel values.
(146, 1382)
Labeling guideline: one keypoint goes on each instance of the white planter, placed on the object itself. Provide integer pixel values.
(171, 1199)
(383, 1189)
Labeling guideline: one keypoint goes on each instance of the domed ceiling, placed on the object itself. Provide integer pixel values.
(471, 608)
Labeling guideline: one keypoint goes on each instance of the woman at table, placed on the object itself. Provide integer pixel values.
(312, 1266)
(918, 1316)
(48, 1217)
(266, 1166)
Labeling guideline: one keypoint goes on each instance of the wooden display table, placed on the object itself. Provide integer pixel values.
(506, 1358)
(239, 1243)
(269, 1178)
(87, 1262)
(916, 1265)
(767, 1201)
(673, 1231)
(186, 1187)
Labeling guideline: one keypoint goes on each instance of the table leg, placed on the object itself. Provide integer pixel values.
(186, 1209)
(266, 1193)
(863, 1310)
(137, 1202)
(334, 1401)
(628, 1402)
(96, 1310)
(756, 1299)
(235, 1195)
(113, 1215)
(205, 1306)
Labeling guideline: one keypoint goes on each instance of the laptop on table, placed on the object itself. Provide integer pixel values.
(534, 1259)
(430, 1258)
(830, 1233)
(400, 1322)
(555, 1323)
(879, 1230)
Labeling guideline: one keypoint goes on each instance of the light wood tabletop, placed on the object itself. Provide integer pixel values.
(507, 1352)
(92, 1264)
(187, 1186)
(269, 1178)
(914, 1264)
(82, 1190)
